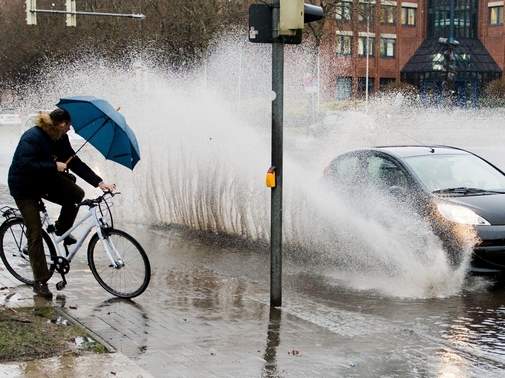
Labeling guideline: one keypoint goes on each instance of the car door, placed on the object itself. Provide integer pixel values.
(347, 172)
(387, 175)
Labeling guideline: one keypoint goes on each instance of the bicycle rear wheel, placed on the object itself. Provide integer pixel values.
(14, 250)
(133, 273)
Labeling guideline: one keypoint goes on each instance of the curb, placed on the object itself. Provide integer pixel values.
(93, 334)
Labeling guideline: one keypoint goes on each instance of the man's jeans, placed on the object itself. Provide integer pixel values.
(64, 192)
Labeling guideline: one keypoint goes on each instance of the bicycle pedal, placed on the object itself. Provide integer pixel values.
(60, 285)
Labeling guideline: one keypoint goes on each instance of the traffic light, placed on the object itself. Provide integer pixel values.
(31, 17)
(71, 19)
(260, 23)
(292, 17)
(312, 13)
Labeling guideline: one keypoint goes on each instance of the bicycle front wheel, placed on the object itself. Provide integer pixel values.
(132, 273)
(14, 250)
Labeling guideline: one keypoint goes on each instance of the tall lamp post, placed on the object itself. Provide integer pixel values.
(367, 50)
(449, 46)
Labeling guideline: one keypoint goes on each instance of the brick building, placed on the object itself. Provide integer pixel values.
(406, 42)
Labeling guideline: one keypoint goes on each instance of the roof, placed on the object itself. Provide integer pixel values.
(418, 150)
(470, 56)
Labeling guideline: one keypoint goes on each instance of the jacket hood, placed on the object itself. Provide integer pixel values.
(44, 121)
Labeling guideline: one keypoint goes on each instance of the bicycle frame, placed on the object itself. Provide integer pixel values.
(92, 213)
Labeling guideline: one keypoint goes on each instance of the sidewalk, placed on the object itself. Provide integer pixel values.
(13, 295)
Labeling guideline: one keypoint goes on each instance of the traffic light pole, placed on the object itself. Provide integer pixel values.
(278, 23)
(277, 148)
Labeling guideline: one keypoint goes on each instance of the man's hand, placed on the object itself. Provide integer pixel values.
(107, 187)
(61, 167)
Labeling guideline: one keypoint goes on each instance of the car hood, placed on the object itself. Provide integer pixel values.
(490, 206)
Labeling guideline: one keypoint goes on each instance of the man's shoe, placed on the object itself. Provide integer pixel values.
(69, 240)
(40, 289)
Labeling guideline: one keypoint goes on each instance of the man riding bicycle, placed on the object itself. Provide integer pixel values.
(38, 170)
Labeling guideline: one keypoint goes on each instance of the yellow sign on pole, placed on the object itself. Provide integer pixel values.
(270, 178)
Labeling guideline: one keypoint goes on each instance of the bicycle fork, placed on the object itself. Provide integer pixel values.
(110, 249)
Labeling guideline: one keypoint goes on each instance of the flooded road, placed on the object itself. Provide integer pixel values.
(206, 311)
(206, 314)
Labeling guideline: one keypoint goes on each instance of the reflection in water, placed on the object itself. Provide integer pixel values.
(213, 296)
(273, 341)
(478, 328)
(125, 314)
(452, 365)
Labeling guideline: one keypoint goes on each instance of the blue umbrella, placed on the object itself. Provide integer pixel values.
(102, 126)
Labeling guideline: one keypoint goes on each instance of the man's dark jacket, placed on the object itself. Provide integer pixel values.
(33, 167)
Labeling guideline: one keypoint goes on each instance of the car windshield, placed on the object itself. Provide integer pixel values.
(462, 171)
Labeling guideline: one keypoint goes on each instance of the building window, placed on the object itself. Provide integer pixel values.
(465, 18)
(388, 14)
(343, 11)
(344, 44)
(388, 47)
(362, 85)
(385, 82)
(366, 11)
(409, 16)
(362, 48)
(496, 15)
(344, 88)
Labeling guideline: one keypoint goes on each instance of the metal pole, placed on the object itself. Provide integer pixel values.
(451, 25)
(276, 197)
(318, 102)
(82, 13)
(366, 50)
(239, 84)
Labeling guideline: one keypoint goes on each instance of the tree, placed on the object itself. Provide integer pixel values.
(496, 89)
(176, 31)
(494, 93)
(332, 9)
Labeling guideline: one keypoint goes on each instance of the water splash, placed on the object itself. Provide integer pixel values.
(205, 149)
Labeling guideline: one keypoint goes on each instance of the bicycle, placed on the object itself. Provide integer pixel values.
(113, 255)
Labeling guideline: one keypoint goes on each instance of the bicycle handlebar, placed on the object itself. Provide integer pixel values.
(96, 201)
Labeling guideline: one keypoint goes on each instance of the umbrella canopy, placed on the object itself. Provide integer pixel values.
(102, 126)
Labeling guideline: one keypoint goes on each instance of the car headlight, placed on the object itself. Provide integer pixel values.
(460, 214)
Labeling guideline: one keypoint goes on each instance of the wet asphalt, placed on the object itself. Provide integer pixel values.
(206, 314)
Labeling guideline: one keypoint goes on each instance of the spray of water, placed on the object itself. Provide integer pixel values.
(204, 137)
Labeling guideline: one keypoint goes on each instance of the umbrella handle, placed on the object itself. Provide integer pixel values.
(69, 159)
